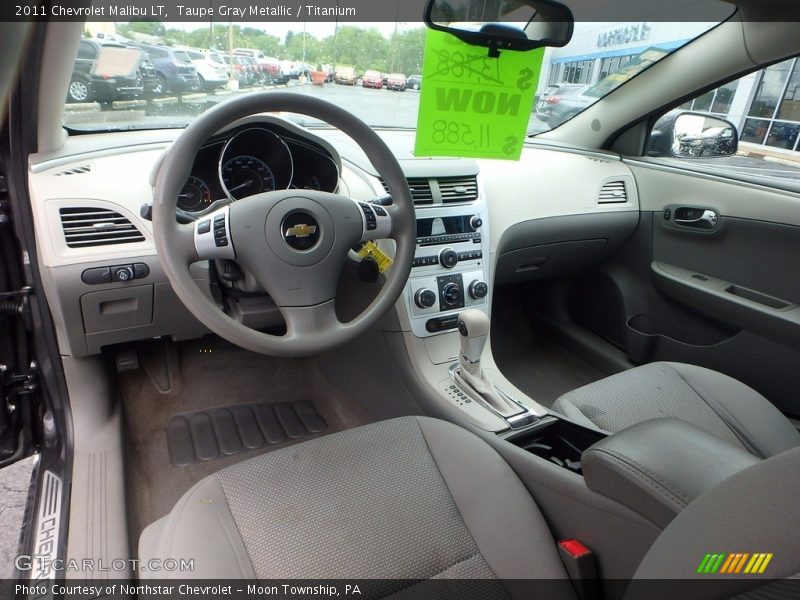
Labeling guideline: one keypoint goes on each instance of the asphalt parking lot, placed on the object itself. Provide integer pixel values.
(377, 107)
(14, 484)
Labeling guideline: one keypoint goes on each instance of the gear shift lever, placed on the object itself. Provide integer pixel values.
(473, 325)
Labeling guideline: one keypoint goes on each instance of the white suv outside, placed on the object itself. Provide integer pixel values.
(212, 74)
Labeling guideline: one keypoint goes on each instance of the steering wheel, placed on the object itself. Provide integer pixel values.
(293, 242)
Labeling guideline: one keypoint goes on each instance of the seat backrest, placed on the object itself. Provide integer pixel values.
(756, 511)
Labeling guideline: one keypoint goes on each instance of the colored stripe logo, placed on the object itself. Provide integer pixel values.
(736, 563)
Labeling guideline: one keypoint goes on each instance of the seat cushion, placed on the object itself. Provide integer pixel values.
(410, 498)
(709, 400)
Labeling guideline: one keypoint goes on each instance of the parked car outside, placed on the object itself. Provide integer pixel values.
(414, 82)
(240, 69)
(396, 82)
(372, 79)
(212, 75)
(273, 68)
(345, 76)
(266, 69)
(561, 107)
(260, 75)
(87, 86)
(550, 90)
(175, 70)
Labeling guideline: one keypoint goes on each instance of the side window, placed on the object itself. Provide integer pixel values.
(751, 126)
(87, 51)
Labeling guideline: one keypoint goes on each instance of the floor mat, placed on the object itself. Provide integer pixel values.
(201, 375)
(224, 431)
(530, 359)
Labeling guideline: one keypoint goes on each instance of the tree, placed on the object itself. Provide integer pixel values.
(407, 48)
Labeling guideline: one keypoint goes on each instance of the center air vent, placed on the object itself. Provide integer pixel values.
(420, 190)
(613, 192)
(86, 227)
(458, 190)
(451, 190)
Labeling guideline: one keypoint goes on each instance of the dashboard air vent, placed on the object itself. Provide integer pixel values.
(458, 190)
(614, 192)
(86, 227)
(75, 171)
(420, 190)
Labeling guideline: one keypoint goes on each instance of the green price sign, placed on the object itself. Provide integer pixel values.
(472, 105)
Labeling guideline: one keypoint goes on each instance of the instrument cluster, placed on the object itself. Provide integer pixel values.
(254, 159)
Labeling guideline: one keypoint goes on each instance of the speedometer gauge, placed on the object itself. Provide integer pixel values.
(195, 195)
(245, 176)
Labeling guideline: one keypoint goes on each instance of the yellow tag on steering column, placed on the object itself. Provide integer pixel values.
(371, 250)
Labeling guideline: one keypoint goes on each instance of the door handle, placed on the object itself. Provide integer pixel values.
(696, 218)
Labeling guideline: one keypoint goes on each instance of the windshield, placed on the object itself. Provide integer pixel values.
(366, 68)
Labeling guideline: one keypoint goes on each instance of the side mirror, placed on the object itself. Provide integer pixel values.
(693, 135)
(521, 25)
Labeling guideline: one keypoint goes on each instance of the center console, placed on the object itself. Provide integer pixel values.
(450, 266)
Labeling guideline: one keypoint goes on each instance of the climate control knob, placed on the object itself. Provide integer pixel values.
(424, 298)
(448, 258)
(478, 289)
(452, 294)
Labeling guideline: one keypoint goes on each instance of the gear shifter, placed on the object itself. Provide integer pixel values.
(473, 325)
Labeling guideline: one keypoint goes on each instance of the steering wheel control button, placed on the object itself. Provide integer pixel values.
(300, 231)
(448, 258)
(370, 217)
(123, 274)
(212, 236)
(478, 290)
(425, 298)
(380, 212)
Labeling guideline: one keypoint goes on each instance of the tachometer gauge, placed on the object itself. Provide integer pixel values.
(245, 176)
(195, 195)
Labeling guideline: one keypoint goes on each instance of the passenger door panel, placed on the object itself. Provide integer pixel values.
(727, 298)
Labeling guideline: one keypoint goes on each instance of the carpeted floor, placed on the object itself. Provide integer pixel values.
(532, 361)
(208, 373)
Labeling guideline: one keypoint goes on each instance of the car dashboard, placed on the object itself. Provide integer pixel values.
(480, 223)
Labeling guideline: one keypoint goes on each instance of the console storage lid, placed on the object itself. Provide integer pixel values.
(658, 467)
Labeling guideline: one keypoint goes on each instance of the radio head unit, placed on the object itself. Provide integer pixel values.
(436, 231)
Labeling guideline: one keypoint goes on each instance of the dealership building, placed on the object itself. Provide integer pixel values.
(765, 105)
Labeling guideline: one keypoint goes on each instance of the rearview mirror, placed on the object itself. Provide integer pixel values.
(693, 135)
(503, 24)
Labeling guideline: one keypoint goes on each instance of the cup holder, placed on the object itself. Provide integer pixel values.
(556, 441)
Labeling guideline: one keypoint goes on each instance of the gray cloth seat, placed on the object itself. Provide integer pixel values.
(709, 400)
(428, 503)
(411, 498)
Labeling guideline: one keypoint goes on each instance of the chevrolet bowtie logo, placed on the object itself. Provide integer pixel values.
(301, 231)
